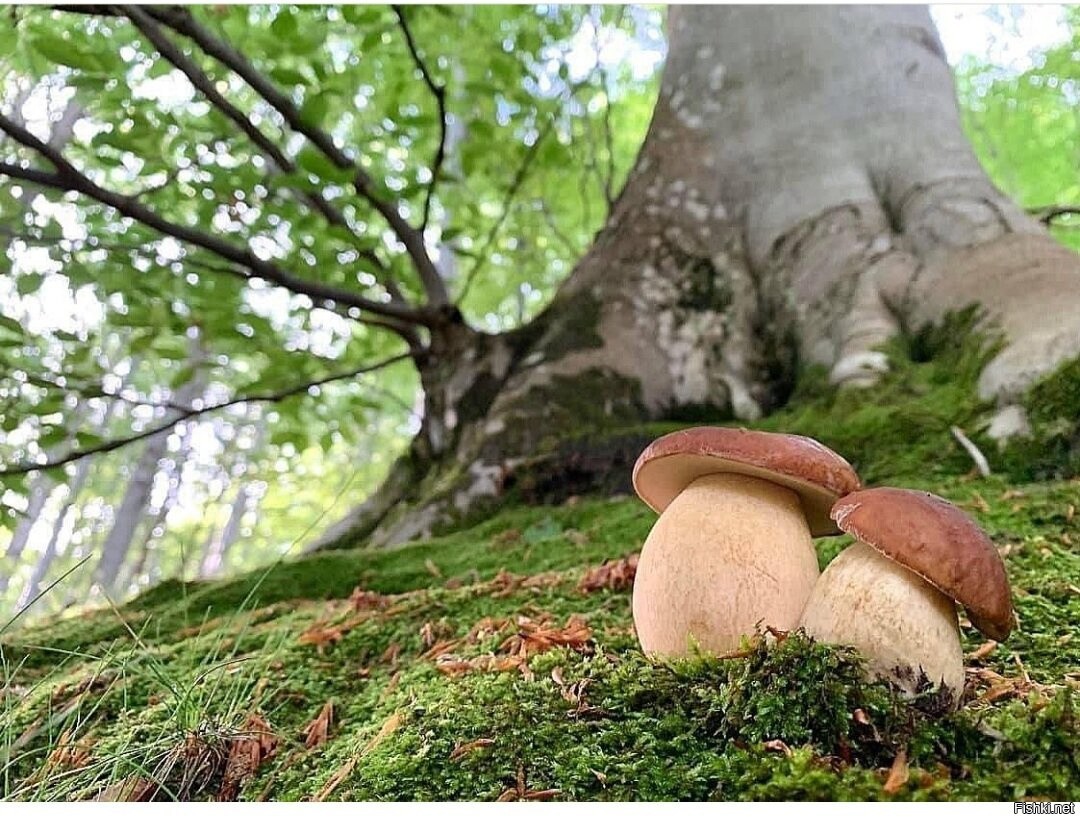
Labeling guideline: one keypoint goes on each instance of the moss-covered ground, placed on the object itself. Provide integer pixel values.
(499, 661)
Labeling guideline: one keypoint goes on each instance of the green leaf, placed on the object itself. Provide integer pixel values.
(63, 52)
(10, 326)
(28, 283)
(314, 161)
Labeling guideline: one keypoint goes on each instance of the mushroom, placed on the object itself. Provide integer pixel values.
(891, 595)
(732, 550)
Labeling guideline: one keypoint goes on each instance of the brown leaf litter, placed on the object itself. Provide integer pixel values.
(612, 575)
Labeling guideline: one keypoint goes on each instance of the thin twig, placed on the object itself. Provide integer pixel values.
(46, 383)
(438, 91)
(1048, 214)
(981, 464)
(520, 175)
(189, 413)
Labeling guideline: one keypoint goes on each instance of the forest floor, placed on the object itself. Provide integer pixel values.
(498, 662)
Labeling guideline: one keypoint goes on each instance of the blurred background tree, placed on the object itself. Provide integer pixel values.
(229, 409)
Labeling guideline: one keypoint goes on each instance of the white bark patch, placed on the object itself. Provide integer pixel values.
(484, 482)
(686, 339)
(860, 369)
(742, 403)
(697, 209)
(1009, 422)
(716, 77)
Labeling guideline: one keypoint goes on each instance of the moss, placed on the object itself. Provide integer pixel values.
(581, 719)
(569, 325)
(1054, 411)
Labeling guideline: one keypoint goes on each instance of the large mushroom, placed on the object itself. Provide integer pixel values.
(732, 551)
(893, 594)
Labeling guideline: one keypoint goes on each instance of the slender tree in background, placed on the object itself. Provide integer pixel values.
(61, 529)
(129, 513)
(804, 193)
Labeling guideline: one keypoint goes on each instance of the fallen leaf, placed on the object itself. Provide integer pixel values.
(70, 755)
(463, 749)
(363, 600)
(432, 568)
(486, 627)
(613, 575)
(321, 633)
(898, 774)
(984, 650)
(318, 730)
(778, 746)
(255, 742)
(506, 538)
(129, 790)
(388, 728)
(427, 635)
(390, 656)
(441, 648)
(534, 637)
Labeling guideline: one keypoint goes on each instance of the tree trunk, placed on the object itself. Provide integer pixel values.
(60, 527)
(156, 523)
(247, 497)
(40, 491)
(133, 505)
(804, 193)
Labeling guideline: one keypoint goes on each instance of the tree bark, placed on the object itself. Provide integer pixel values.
(40, 491)
(60, 527)
(805, 192)
(156, 523)
(132, 506)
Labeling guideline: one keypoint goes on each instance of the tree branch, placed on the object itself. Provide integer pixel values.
(181, 20)
(192, 412)
(438, 91)
(404, 330)
(68, 178)
(169, 50)
(98, 392)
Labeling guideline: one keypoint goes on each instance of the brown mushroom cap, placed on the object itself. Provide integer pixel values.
(817, 474)
(939, 543)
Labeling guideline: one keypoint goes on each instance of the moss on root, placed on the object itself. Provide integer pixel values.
(498, 661)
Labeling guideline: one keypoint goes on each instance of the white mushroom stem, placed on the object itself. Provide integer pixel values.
(730, 555)
(899, 622)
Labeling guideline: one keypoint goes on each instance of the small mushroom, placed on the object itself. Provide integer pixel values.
(733, 550)
(891, 595)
